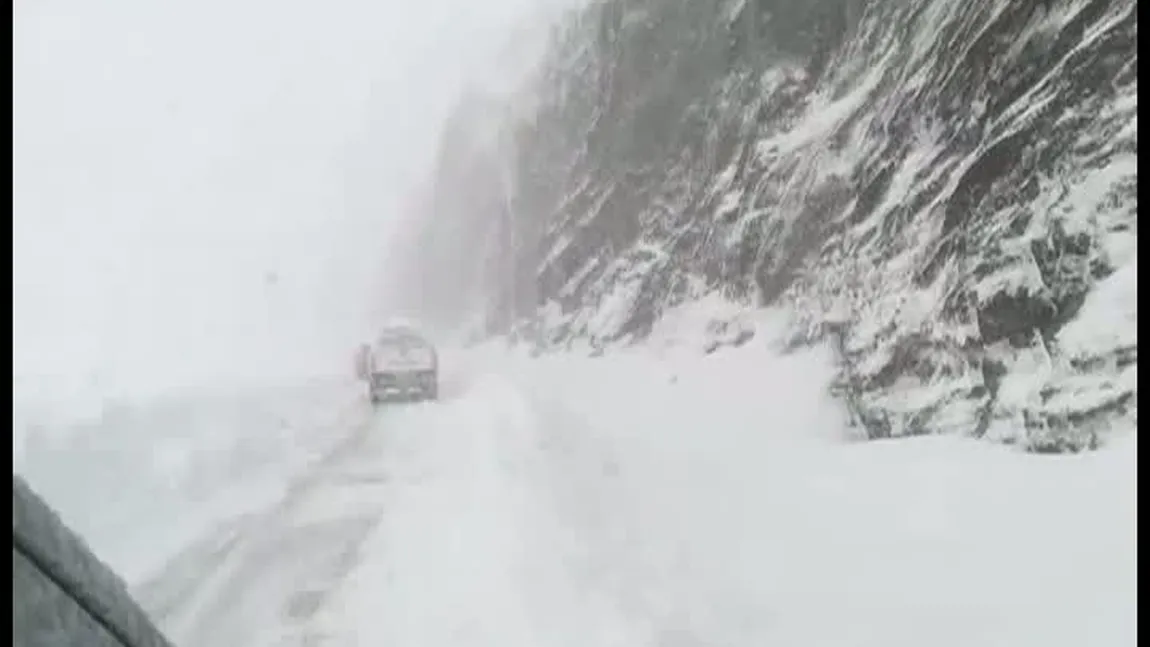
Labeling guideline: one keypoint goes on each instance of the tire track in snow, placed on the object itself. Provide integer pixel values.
(494, 518)
(607, 563)
(446, 568)
(471, 552)
(519, 531)
(275, 568)
(633, 547)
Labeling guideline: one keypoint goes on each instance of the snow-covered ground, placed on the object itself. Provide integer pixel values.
(139, 479)
(658, 496)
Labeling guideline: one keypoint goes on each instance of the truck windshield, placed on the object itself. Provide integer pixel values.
(403, 351)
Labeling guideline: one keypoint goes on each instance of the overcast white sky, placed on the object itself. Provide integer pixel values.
(171, 158)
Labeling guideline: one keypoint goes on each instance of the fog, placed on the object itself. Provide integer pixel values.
(203, 188)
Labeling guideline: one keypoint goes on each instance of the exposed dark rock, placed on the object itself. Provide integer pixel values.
(941, 189)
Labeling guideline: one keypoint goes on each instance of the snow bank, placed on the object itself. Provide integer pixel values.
(720, 501)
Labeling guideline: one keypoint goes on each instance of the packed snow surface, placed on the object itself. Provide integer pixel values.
(659, 496)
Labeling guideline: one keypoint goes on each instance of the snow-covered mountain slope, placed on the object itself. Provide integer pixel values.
(946, 189)
(656, 496)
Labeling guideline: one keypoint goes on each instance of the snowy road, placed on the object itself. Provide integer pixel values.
(273, 568)
(456, 498)
(648, 499)
(674, 501)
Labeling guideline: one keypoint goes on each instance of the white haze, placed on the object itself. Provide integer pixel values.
(202, 188)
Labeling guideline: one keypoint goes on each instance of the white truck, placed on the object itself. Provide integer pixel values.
(400, 365)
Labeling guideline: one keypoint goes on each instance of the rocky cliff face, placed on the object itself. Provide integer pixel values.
(944, 190)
